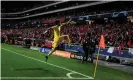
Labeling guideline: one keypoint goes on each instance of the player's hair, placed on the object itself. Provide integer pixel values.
(57, 22)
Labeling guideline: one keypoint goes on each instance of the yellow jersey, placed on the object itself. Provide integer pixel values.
(56, 33)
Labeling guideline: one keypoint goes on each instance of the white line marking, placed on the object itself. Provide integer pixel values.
(69, 74)
(49, 63)
(38, 78)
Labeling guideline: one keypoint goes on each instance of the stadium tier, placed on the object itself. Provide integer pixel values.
(67, 40)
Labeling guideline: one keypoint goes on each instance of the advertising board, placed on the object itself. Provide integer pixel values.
(63, 54)
(35, 48)
(45, 50)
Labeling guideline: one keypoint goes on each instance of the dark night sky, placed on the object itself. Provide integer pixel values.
(10, 5)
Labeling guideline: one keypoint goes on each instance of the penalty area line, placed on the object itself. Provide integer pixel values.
(37, 78)
(49, 64)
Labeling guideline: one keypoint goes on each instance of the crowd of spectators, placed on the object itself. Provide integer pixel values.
(114, 33)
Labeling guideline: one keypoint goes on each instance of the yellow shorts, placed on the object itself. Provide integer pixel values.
(55, 44)
(57, 41)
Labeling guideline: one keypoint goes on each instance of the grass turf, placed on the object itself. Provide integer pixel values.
(14, 65)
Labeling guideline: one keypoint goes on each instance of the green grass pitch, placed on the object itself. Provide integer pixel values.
(20, 63)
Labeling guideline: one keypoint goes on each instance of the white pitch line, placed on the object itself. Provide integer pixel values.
(38, 78)
(49, 64)
(69, 74)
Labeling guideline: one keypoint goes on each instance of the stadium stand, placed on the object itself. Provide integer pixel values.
(25, 45)
(114, 32)
(112, 22)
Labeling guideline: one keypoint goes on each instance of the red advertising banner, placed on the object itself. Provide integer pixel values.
(63, 54)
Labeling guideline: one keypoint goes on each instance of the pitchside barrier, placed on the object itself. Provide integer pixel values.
(57, 53)
(76, 51)
(79, 50)
(124, 53)
(124, 57)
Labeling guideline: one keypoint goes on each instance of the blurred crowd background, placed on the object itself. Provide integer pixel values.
(115, 23)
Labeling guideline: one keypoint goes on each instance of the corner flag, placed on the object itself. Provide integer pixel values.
(101, 45)
(102, 42)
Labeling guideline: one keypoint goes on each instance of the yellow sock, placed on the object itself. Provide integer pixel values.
(50, 53)
(69, 41)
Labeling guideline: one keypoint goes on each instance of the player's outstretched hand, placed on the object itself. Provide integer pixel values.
(69, 21)
(45, 32)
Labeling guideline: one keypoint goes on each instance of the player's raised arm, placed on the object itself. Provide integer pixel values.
(48, 29)
(66, 22)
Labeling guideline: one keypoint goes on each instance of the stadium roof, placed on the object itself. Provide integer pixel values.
(103, 8)
(18, 6)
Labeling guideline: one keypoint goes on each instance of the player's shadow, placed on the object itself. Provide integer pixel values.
(32, 69)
